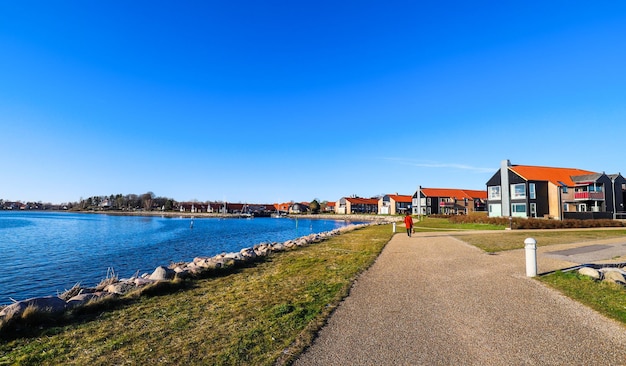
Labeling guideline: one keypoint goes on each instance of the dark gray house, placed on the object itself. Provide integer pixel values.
(558, 193)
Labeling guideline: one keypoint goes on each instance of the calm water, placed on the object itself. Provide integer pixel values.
(42, 253)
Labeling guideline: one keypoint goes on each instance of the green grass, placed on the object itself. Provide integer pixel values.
(258, 315)
(427, 224)
(606, 298)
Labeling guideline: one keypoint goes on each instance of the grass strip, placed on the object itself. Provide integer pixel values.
(606, 298)
(427, 224)
(259, 315)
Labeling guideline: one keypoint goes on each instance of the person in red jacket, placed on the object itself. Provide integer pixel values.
(408, 222)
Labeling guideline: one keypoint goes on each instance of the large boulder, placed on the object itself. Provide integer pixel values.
(49, 304)
(591, 272)
(278, 247)
(614, 275)
(206, 263)
(84, 298)
(162, 273)
(120, 288)
(248, 254)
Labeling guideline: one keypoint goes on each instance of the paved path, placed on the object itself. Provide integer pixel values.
(434, 300)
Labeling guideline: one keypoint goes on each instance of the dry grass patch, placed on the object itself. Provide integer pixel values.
(513, 239)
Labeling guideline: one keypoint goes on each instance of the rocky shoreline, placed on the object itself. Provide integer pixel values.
(200, 267)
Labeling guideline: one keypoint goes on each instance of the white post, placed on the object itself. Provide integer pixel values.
(530, 245)
(394, 227)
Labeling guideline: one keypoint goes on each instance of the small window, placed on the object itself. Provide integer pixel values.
(428, 201)
(494, 193)
(518, 191)
(531, 191)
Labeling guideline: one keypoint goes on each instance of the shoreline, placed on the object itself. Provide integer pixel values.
(350, 220)
(340, 217)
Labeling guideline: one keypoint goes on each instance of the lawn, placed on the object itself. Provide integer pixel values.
(426, 224)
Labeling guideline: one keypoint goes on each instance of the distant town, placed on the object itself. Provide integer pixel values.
(524, 191)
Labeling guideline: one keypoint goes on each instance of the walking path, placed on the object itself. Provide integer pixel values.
(434, 300)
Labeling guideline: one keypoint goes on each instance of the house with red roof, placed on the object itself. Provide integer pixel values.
(356, 205)
(551, 192)
(394, 204)
(448, 201)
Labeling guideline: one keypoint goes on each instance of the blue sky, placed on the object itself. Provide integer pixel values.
(273, 101)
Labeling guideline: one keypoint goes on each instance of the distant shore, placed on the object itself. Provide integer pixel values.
(353, 217)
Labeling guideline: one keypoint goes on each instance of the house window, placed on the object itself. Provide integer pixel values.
(531, 191)
(428, 201)
(518, 191)
(565, 207)
(533, 210)
(518, 209)
(494, 193)
(564, 189)
(582, 207)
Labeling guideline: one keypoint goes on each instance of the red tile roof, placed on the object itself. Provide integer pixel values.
(362, 201)
(400, 198)
(550, 174)
(454, 193)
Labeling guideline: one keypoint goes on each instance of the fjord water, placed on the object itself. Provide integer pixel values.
(45, 253)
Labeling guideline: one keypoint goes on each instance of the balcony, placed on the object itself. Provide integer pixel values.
(589, 196)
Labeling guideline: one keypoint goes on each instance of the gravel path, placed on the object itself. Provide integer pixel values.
(434, 300)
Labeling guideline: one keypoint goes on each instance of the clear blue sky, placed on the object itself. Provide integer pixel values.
(268, 101)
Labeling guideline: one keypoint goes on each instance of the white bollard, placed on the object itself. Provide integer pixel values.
(394, 227)
(530, 245)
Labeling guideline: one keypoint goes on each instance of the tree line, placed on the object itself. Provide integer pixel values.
(129, 202)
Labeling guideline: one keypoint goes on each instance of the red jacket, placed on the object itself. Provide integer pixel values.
(408, 221)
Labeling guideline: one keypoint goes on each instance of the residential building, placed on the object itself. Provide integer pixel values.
(299, 208)
(594, 196)
(356, 205)
(394, 204)
(552, 192)
(449, 201)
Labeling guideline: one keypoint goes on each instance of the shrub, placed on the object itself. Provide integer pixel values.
(532, 223)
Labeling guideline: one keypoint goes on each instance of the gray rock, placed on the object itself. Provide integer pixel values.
(82, 299)
(162, 273)
(278, 247)
(587, 271)
(120, 288)
(248, 254)
(142, 281)
(614, 275)
(50, 304)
